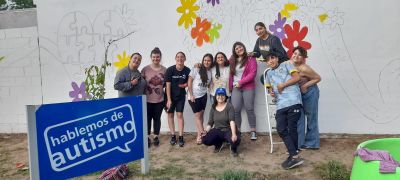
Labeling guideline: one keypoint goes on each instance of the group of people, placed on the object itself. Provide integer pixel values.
(231, 85)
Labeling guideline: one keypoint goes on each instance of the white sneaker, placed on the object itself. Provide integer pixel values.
(253, 135)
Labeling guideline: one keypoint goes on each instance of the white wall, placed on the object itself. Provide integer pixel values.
(19, 77)
(355, 50)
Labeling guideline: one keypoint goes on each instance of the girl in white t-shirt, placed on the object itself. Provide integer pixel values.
(198, 83)
(219, 74)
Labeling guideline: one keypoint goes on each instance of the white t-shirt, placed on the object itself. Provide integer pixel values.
(199, 88)
(221, 82)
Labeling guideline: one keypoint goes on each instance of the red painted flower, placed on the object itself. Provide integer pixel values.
(295, 37)
(200, 30)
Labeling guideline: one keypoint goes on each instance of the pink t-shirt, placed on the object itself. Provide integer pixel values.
(155, 83)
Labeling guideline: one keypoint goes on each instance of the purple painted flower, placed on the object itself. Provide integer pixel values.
(277, 28)
(213, 2)
(78, 93)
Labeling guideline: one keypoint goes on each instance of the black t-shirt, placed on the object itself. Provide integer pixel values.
(176, 77)
(272, 43)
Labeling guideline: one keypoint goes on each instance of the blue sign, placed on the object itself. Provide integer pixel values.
(78, 138)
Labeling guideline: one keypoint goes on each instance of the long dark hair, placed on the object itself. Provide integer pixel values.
(136, 53)
(260, 24)
(302, 51)
(203, 70)
(226, 63)
(235, 56)
(216, 102)
(156, 50)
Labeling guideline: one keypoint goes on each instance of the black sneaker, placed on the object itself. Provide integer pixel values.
(173, 140)
(217, 148)
(156, 141)
(149, 142)
(286, 161)
(181, 142)
(292, 163)
(234, 152)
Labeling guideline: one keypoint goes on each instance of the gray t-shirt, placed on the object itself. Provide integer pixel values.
(221, 119)
(199, 88)
(238, 75)
(122, 83)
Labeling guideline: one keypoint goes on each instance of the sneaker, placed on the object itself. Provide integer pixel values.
(181, 142)
(253, 135)
(217, 148)
(234, 152)
(156, 141)
(286, 161)
(308, 147)
(148, 142)
(292, 163)
(173, 140)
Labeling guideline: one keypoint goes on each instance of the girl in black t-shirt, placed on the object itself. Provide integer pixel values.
(176, 78)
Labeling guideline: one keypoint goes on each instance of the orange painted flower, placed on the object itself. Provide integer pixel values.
(200, 31)
(188, 12)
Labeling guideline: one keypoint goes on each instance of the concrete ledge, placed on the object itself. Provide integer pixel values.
(18, 18)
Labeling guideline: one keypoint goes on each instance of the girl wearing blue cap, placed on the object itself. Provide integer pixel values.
(221, 124)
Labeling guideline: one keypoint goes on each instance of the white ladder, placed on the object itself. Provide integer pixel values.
(268, 103)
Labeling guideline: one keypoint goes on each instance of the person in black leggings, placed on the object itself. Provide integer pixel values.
(222, 119)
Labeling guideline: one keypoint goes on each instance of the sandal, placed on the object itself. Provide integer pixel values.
(199, 140)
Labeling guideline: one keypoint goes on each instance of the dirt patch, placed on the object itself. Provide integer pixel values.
(199, 162)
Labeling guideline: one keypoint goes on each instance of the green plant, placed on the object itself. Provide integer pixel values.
(333, 170)
(95, 78)
(1, 57)
(234, 175)
(96, 75)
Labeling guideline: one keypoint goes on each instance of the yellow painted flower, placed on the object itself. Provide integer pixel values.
(323, 17)
(123, 61)
(287, 8)
(188, 12)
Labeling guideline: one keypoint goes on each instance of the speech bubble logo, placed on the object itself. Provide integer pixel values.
(77, 141)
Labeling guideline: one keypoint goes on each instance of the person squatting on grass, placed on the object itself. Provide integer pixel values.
(243, 69)
(221, 124)
(129, 81)
(154, 75)
(310, 95)
(176, 78)
(282, 83)
(198, 83)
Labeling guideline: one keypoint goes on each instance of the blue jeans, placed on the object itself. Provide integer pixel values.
(309, 138)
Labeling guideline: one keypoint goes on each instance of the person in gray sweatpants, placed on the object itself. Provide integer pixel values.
(243, 69)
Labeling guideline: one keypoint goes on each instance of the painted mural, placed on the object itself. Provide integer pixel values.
(360, 78)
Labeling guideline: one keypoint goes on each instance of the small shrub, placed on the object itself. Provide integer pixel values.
(333, 170)
(234, 175)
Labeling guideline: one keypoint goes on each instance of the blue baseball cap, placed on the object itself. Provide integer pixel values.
(220, 91)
